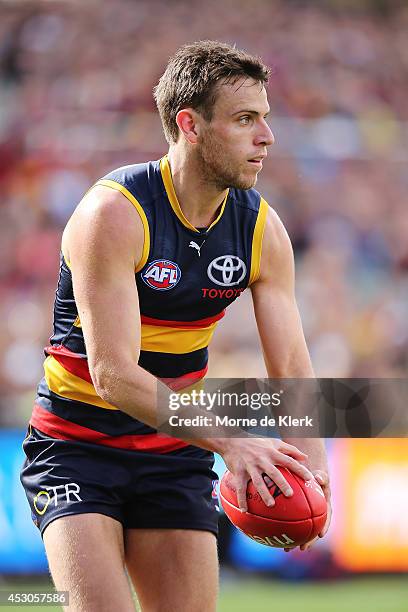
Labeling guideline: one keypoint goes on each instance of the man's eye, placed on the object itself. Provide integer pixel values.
(245, 119)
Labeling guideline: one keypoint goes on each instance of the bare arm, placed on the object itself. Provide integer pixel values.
(280, 329)
(103, 242)
(276, 312)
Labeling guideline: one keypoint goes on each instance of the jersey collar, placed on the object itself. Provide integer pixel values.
(171, 194)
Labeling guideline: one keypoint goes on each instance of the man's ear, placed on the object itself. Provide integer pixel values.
(188, 123)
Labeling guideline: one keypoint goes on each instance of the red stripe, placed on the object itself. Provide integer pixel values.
(184, 381)
(73, 363)
(186, 324)
(59, 428)
(77, 365)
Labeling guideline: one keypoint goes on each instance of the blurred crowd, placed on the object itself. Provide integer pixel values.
(76, 83)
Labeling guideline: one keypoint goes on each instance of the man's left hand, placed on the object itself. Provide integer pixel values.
(322, 478)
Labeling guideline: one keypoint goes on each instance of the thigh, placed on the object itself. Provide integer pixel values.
(173, 569)
(86, 558)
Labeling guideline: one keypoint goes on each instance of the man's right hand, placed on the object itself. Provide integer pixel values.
(252, 458)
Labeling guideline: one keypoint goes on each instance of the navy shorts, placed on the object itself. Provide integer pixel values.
(142, 490)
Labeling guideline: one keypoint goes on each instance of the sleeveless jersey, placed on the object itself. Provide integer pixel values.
(186, 278)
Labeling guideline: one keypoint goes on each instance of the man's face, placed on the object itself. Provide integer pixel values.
(232, 145)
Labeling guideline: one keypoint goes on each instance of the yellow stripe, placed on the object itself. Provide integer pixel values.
(221, 212)
(28, 433)
(66, 260)
(171, 194)
(62, 382)
(171, 340)
(257, 242)
(154, 338)
(142, 214)
(77, 322)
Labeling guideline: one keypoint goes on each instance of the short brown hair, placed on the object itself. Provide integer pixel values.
(192, 76)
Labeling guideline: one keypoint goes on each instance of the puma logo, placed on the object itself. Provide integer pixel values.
(194, 245)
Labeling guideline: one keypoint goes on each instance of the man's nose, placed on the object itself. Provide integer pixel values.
(265, 136)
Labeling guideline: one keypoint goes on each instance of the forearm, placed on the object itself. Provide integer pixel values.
(144, 397)
(301, 405)
(315, 450)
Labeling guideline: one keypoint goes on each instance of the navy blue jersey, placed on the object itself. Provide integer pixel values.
(186, 278)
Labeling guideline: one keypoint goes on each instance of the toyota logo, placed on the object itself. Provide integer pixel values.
(226, 270)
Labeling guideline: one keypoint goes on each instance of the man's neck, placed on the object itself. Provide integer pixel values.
(199, 200)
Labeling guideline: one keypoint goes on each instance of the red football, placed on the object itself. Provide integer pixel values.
(291, 522)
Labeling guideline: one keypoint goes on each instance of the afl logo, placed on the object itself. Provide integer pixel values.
(226, 270)
(162, 274)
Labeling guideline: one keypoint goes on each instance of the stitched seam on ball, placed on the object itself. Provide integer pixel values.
(312, 516)
(266, 518)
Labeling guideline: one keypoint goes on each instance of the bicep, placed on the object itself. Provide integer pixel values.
(104, 239)
(275, 306)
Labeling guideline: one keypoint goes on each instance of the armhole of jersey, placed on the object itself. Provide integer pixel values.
(257, 242)
(66, 259)
(77, 322)
(142, 215)
(29, 432)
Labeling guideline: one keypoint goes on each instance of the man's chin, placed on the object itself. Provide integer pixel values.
(246, 182)
(242, 181)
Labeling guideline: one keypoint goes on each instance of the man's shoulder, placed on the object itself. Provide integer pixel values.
(249, 199)
(140, 179)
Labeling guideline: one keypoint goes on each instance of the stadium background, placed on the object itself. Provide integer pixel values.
(76, 84)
